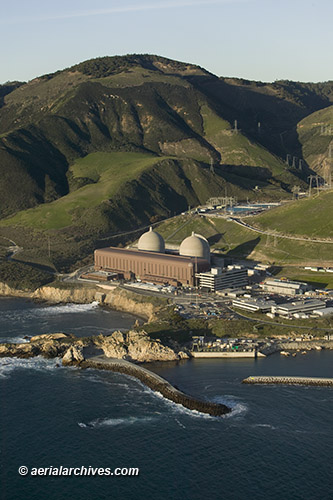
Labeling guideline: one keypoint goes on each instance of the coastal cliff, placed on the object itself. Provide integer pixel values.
(7, 291)
(81, 293)
(75, 295)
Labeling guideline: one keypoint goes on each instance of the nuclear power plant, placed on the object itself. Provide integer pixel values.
(150, 262)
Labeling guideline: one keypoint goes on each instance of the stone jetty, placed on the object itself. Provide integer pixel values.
(289, 380)
(154, 382)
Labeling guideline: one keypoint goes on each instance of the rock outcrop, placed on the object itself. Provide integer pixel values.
(132, 346)
(74, 355)
(135, 346)
(50, 336)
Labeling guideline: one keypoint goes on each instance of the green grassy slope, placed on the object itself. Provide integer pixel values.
(74, 114)
(107, 173)
(110, 143)
(235, 241)
(311, 217)
(315, 142)
(110, 193)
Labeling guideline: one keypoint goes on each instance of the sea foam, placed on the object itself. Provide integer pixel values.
(111, 422)
(8, 365)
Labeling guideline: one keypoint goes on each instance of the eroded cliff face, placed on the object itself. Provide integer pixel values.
(77, 295)
(120, 300)
(6, 290)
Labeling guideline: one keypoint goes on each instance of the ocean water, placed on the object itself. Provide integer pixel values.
(276, 444)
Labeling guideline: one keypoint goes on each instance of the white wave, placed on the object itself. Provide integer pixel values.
(65, 309)
(238, 409)
(268, 426)
(13, 340)
(95, 379)
(180, 424)
(25, 315)
(8, 365)
(111, 422)
(178, 408)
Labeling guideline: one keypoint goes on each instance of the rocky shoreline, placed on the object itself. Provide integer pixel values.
(110, 296)
(118, 353)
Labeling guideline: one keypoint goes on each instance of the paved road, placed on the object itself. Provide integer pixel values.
(279, 235)
(13, 249)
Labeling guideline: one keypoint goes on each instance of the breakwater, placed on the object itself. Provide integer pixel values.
(289, 380)
(156, 383)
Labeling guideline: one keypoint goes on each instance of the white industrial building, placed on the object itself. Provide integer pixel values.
(298, 307)
(284, 287)
(328, 311)
(254, 305)
(218, 278)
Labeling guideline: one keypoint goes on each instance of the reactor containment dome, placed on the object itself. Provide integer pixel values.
(195, 246)
(151, 241)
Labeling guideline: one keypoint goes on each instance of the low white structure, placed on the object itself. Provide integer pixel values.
(328, 311)
(254, 305)
(284, 287)
(299, 306)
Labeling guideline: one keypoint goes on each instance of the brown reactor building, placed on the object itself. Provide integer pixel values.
(150, 262)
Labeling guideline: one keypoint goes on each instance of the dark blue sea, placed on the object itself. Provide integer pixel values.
(277, 444)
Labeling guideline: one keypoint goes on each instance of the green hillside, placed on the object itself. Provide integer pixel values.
(234, 241)
(111, 193)
(104, 174)
(310, 217)
(315, 133)
(110, 144)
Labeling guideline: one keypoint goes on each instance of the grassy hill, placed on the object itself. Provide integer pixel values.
(112, 192)
(112, 143)
(310, 217)
(316, 139)
(235, 241)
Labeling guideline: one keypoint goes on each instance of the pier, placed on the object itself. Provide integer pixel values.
(289, 380)
(156, 383)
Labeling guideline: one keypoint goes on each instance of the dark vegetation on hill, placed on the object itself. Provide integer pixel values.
(7, 88)
(22, 276)
(170, 118)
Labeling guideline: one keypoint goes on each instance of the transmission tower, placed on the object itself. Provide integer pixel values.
(311, 177)
(212, 166)
(288, 159)
(294, 162)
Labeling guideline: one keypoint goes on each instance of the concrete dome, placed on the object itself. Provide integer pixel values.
(195, 246)
(151, 242)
